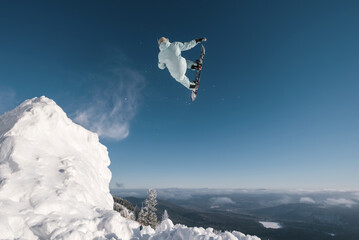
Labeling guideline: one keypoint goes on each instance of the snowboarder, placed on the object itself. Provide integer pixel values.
(170, 57)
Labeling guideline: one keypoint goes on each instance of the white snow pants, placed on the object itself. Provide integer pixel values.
(180, 75)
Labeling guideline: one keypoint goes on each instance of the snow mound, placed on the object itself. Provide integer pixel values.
(54, 177)
(166, 231)
(54, 182)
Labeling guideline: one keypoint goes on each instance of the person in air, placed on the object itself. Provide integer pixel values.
(170, 58)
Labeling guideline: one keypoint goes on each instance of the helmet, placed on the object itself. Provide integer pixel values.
(162, 39)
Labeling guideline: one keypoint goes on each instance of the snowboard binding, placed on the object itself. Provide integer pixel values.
(197, 66)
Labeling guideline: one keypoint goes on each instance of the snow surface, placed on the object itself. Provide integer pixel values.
(54, 182)
(273, 225)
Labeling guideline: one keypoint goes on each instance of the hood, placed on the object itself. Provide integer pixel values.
(164, 45)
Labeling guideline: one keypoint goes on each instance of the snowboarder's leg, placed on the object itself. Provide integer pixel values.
(193, 65)
(190, 64)
(185, 82)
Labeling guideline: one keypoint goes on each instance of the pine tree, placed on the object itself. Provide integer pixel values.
(143, 216)
(147, 215)
(151, 203)
(136, 212)
(165, 215)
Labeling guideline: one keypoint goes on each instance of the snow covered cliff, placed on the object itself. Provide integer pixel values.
(54, 177)
(54, 182)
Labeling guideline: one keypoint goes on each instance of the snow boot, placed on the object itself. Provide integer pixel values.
(193, 85)
(197, 65)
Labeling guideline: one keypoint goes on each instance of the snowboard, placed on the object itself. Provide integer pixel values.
(198, 75)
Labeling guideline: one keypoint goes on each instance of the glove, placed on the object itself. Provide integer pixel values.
(161, 66)
(198, 40)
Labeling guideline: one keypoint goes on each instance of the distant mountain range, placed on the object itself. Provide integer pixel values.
(309, 218)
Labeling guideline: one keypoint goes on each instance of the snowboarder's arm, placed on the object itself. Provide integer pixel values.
(161, 65)
(191, 44)
(187, 45)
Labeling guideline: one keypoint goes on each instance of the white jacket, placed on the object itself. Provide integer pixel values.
(170, 57)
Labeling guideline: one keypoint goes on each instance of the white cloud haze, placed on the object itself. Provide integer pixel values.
(221, 200)
(113, 105)
(272, 197)
(119, 185)
(306, 200)
(272, 225)
(340, 202)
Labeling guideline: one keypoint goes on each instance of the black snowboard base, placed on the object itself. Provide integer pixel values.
(198, 75)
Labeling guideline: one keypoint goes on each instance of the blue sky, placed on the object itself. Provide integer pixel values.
(277, 107)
